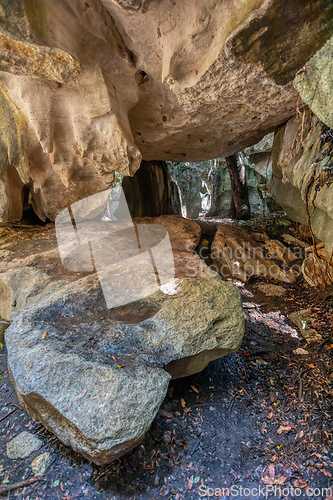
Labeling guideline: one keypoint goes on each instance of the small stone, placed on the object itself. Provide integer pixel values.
(261, 362)
(301, 351)
(23, 445)
(271, 290)
(41, 463)
(304, 321)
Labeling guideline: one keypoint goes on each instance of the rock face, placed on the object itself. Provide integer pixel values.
(87, 88)
(241, 254)
(96, 376)
(315, 83)
(151, 192)
(302, 169)
(260, 155)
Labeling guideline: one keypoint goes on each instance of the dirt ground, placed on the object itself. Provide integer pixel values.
(259, 417)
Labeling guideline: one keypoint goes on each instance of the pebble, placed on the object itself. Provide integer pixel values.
(23, 445)
(41, 463)
(301, 351)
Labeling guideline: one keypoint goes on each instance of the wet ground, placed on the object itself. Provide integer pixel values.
(261, 417)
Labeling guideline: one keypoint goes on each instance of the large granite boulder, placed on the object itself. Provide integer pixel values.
(91, 87)
(302, 174)
(96, 376)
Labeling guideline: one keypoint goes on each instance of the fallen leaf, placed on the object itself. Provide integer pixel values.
(121, 366)
(182, 402)
(82, 394)
(300, 483)
(44, 335)
(267, 480)
(285, 428)
(195, 389)
(271, 470)
(280, 480)
(67, 407)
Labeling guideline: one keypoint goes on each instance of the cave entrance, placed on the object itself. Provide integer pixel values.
(232, 188)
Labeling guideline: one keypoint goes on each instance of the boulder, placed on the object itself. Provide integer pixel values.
(99, 376)
(16, 286)
(90, 88)
(240, 254)
(94, 375)
(271, 290)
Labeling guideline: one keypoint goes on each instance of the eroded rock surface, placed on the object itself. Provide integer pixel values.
(23, 445)
(87, 88)
(302, 174)
(241, 254)
(317, 269)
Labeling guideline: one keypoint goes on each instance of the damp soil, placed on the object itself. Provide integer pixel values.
(260, 416)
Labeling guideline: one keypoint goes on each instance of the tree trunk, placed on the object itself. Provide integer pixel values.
(240, 206)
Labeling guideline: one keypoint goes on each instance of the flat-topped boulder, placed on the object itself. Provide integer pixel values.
(96, 375)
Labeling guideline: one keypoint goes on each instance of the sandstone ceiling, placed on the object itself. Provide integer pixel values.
(88, 87)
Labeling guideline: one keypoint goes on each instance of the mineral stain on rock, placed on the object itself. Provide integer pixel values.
(269, 40)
